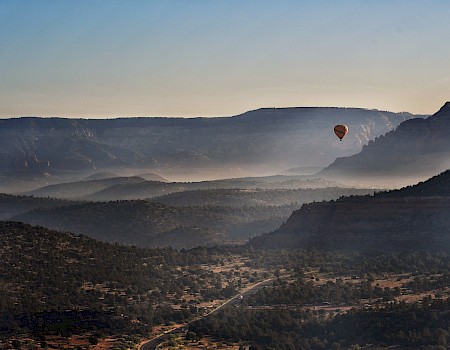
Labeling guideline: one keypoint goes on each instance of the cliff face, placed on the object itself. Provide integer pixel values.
(397, 220)
(279, 137)
(418, 146)
(45, 144)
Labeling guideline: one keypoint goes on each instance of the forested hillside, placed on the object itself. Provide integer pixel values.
(11, 205)
(151, 224)
(58, 289)
(137, 188)
(79, 189)
(257, 197)
(350, 302)
(411, 218)
(181, 220)
(59, 283)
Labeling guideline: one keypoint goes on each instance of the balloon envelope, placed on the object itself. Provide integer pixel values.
(341, 130)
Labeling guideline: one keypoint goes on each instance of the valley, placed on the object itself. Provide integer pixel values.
(224, 175)
(260, 140)
(191, 299)
(130, 259)
(134, 211)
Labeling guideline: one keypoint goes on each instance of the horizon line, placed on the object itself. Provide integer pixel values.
(200, 116)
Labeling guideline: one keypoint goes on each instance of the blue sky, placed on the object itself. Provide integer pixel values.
(220, 57)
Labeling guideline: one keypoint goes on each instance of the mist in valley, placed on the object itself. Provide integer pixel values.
(224, 175)
(283, 235)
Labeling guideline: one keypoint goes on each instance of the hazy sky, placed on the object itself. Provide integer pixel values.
(220, 57)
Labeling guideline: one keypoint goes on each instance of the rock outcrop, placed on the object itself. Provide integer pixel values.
(418, 147)
(281, 138)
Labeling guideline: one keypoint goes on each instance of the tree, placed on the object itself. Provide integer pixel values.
(93, 340)
(16, 344)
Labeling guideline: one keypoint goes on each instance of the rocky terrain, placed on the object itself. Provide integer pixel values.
(283, 137)
(418, 148)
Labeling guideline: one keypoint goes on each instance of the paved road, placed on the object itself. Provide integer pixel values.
(154, 342)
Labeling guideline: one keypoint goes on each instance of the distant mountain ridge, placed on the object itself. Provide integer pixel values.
(272, 136)
(148, 224)
(188, 219)
(418, 147)
(83, 188)
(135, 187)
(416, 217)
(437, 186)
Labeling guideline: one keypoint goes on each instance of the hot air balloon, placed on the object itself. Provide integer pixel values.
(340, 131)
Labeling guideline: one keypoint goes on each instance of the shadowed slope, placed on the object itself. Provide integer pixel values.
(411, 218)
(417, 148)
